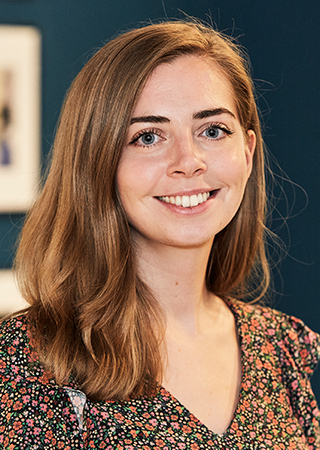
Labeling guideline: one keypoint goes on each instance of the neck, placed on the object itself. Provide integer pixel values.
(176, 277)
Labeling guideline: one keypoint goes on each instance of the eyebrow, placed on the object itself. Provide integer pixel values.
(150, 119)
(198, 115)
(212, 112)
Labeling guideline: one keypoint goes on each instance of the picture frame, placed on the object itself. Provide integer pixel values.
(20, 67)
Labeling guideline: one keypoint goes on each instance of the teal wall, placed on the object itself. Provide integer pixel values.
(282, 38)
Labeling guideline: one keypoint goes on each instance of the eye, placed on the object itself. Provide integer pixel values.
(216, 131)
(213, 132)
(146, 138)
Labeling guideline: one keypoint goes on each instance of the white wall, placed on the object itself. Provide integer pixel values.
(10, 297)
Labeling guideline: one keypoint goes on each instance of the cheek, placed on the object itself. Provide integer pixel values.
(232, 168)
(135, 178)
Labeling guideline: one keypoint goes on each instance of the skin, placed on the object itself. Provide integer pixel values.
(185, 139)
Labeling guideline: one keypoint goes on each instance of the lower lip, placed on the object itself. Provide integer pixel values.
(201, 207)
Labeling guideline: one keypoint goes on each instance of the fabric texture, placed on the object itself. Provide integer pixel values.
(276, 408)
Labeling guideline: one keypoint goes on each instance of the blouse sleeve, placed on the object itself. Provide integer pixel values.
(300, 354)
(301, 343)
(34, 411)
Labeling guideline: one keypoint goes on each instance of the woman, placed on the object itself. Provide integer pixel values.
(135, 260)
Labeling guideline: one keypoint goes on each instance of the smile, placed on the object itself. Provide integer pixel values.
(187, 201)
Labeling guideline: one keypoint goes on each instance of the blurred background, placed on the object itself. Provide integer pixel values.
(282, 39)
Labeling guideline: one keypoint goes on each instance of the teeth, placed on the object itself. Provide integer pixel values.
(186, 201)
(194, 200)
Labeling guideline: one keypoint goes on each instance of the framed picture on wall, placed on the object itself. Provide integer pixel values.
(19, 117)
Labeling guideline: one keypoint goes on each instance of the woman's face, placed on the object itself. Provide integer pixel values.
(186, 162)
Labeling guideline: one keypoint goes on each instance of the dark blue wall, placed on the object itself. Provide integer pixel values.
(282, 39)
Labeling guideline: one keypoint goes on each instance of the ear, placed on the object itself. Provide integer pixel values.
(250, 146)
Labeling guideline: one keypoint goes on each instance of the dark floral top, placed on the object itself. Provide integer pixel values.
(276, 410)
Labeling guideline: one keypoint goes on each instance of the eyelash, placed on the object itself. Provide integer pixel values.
(154, 131)
(219, 126)
(141, 133)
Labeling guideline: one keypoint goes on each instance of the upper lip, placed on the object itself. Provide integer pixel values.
(188, 193)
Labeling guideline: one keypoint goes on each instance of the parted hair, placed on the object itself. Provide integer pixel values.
(91, 316)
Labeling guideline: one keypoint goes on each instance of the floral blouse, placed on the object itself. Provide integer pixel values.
(276, 408)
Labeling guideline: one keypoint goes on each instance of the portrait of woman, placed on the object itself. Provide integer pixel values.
(144, 266)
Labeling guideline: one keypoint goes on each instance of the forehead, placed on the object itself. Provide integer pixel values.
(193, 82)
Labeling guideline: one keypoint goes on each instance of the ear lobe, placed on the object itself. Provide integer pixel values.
(250, 148)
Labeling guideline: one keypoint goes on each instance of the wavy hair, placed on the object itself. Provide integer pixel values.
(92, 317)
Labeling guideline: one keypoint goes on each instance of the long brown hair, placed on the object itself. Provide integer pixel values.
(91, 315)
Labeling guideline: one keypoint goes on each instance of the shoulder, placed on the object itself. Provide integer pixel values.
(288, 334)
(12, 328)
(18, 359)
(36, 412)
(14, 337)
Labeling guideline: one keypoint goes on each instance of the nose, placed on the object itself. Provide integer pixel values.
(186, 158)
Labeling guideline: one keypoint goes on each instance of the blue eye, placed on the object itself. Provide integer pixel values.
(213, 132)
(148, 138)
(216, 131)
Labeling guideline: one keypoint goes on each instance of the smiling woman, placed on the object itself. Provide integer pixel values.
(138, 261)
(185, 142)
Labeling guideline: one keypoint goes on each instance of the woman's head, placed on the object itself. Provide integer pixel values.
(96, 118)
(184, 167)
